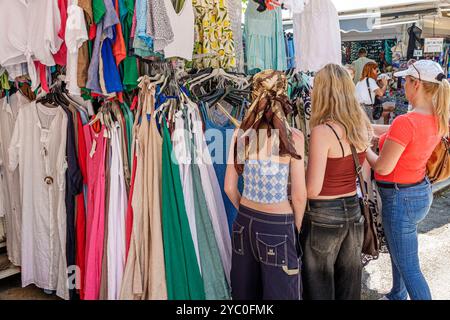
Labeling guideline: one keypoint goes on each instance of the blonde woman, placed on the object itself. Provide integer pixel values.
(333, 226)
(400, 171)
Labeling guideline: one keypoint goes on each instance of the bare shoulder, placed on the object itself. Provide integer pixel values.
(321, 130)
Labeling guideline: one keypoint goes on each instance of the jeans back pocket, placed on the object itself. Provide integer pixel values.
(418, 206)
(238, 238)
(272, 249)
(325, 237)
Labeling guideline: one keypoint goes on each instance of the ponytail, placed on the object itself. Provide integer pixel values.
(441, 101)
(442, 106)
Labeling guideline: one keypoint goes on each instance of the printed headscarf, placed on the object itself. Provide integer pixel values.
(270, 106)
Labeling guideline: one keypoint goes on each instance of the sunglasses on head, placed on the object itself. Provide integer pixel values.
(417, 71)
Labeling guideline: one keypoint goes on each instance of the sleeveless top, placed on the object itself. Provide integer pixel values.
(265, 181)
(340, 173)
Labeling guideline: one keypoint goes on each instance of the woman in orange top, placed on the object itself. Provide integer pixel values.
(400, 171)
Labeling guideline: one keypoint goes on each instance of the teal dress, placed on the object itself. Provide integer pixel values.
(265, 47)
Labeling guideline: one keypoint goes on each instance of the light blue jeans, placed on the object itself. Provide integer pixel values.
(403, 209)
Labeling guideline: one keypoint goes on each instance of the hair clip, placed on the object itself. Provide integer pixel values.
(440, 77)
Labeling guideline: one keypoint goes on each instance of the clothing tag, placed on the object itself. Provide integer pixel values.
(94, 147)
(137, 147)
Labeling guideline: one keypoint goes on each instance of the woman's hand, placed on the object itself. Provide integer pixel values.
(383, 82)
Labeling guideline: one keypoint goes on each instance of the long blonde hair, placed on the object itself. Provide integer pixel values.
(441, 102)
(334, 99)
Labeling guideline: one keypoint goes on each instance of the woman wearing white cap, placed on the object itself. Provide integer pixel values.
(400, 171)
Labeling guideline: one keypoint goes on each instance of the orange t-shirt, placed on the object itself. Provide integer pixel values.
(418, 133)
(119, 49)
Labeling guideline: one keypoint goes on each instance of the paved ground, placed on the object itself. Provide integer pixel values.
(10, 289)
(434, 252)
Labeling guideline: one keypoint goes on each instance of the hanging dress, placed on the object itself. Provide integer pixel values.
(95, 222)
(38, 147)
(184, 281)
(220, 152)
(316, 25)
(144, 276)
(182, 153)
(264, 39)
(214, 278)
(9, 109)
(132, 287)
(212, 191)
(116, 217)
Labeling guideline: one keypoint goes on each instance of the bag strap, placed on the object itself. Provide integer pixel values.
(358, 169)
(339, 140)
(368, 90)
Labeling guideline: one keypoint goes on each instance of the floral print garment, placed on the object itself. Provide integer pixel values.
(214, 43)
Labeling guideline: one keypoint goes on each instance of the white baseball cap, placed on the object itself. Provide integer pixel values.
(425, 70)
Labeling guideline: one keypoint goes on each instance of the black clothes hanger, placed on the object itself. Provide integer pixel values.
(233, 96)
(262, 5)
(59, 97)
(195, 73)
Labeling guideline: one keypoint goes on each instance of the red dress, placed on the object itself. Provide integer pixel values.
(80, 224)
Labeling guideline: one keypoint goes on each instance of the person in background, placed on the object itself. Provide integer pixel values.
(400, 171)
(266, 259)
(351, 70)
(367, 88)
(333, 227)
(359, 64)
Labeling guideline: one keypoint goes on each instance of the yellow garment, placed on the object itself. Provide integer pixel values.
(214, 44)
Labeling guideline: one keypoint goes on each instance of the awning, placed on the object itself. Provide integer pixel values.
(359, 23)
(354, 5)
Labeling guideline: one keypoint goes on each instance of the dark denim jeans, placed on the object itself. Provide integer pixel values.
(402, 211)
(331, 238)
(266, 260)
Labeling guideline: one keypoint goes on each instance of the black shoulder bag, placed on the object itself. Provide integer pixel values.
(377, 107)
(371, 244)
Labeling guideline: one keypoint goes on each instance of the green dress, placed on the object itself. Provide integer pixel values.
(183, 277)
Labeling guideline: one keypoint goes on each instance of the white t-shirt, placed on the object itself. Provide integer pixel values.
(363, 94)
(182, 24)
